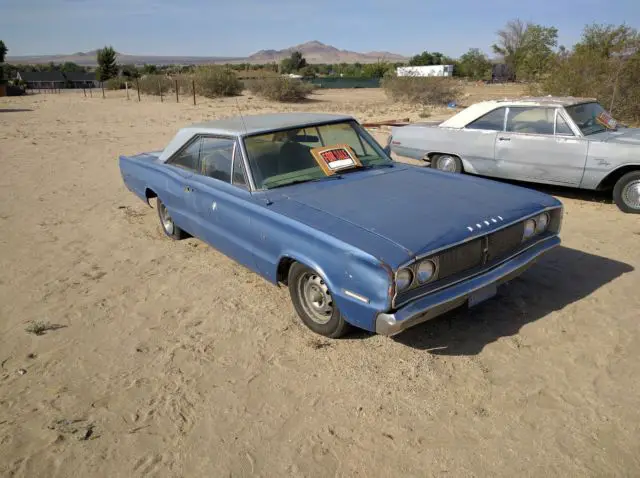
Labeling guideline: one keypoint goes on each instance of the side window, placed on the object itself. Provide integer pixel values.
(188, 157)
(530, 120)
(494, 121)
(562, 128)
(239, 178)
(215, 156)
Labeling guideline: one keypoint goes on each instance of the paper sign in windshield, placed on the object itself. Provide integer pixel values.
(335, 158)
(606, 120)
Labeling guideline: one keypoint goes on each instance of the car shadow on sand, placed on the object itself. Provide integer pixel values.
(560, 278)
(14, 110)
(565, 191)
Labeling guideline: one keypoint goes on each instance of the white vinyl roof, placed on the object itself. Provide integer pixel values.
(466, 116)
(248, 125)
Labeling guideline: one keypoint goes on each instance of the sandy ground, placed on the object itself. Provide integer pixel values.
(172, 361)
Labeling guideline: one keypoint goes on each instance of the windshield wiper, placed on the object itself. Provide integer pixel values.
(300, 181)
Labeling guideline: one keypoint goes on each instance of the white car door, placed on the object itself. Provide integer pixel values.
(538, 145)
(477, 140)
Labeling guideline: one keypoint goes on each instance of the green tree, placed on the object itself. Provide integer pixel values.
(294, 63)
(474, 64)
(130, 71)
(526, 48)
(3, 54)
(309, 71)
(107, 66)
(149, 69)
(607, 40)
(70, 67)
(427, 58)
(376, 70)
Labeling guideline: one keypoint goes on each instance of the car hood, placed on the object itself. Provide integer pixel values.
(412, 208)
(623, 136)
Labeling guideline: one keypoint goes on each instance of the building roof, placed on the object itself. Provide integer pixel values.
(248, 125)
(481, 108)
(41, 76)
(80, 76)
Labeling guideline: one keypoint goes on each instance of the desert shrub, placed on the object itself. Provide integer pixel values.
(421, 90)
(153, 84)
(280, 88)
(614, 81)
(115, 83)
(215, 81)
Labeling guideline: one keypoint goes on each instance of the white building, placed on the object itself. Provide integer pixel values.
(431, 70)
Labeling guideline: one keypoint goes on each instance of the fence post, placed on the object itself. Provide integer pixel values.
(102, 86)
(91, 92)
(126, 87)
(84, 90)
(177, 100)
(193, 84)
(160, 89)
(138, 88)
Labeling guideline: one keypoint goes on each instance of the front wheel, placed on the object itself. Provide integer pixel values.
(626, 193)
(313, 302)
(447, 163)
(166, 221)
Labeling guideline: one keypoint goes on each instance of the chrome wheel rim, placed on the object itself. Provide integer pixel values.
(165, 218)
(447, 163)
(631, 194)
(316, 298)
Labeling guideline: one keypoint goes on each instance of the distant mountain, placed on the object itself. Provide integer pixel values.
(313, 51)
(318, 52)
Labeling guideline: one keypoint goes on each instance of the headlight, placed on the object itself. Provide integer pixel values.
(542, 222)
(529, 229)
(426, 270)
(404, 277)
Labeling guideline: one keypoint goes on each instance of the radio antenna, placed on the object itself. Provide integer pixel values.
(246, 132)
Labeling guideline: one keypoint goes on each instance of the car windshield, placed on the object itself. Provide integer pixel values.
(284, 157)
(591, 118)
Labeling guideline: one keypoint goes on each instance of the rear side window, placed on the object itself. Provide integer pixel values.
(493, 121)
(531, 120)
(188, 157)
(216, 155)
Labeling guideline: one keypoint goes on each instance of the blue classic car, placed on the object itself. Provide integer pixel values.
(313, 202)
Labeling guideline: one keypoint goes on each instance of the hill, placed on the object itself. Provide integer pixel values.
(313, 51)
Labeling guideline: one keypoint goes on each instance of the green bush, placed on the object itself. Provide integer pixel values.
(153, 84)
(280, 88)
(215, 81)
(614, 81)
(115, 83)
(421, 90)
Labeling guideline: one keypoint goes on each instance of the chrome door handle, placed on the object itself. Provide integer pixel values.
(502, 138)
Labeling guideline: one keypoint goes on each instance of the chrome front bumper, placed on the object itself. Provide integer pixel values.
(433, 305)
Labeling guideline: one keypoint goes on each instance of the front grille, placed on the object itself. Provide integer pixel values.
(460, 258)
(501, 243)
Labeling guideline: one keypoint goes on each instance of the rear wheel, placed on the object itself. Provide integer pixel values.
(313, 302)
(166, 221)
(626, 193)
(447, 163)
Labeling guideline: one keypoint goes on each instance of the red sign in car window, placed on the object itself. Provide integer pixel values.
(335, 158)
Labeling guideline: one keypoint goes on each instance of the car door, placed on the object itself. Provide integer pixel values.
(180, 168)
(476, 141)
(222, 201)
(538, 145)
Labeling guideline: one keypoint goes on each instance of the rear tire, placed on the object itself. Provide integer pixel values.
(626, 193)
(167, 224)
(313, 302)
(447, 163)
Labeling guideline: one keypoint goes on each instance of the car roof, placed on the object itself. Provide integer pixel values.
(261, 123)
(476, 110)
(248, 125)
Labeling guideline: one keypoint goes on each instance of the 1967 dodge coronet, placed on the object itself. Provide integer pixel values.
(312, 201)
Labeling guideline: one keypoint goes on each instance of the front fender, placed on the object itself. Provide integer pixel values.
(359, 283)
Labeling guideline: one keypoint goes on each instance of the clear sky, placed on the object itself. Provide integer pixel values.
(241, 27)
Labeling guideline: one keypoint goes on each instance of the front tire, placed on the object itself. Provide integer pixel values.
(167, 224)
(626, 193)
(313, 302)
(447, 163)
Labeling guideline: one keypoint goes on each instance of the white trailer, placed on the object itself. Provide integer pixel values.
(431, 70)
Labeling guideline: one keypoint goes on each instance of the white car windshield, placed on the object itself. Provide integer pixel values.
(284, 157)
(587, 117)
